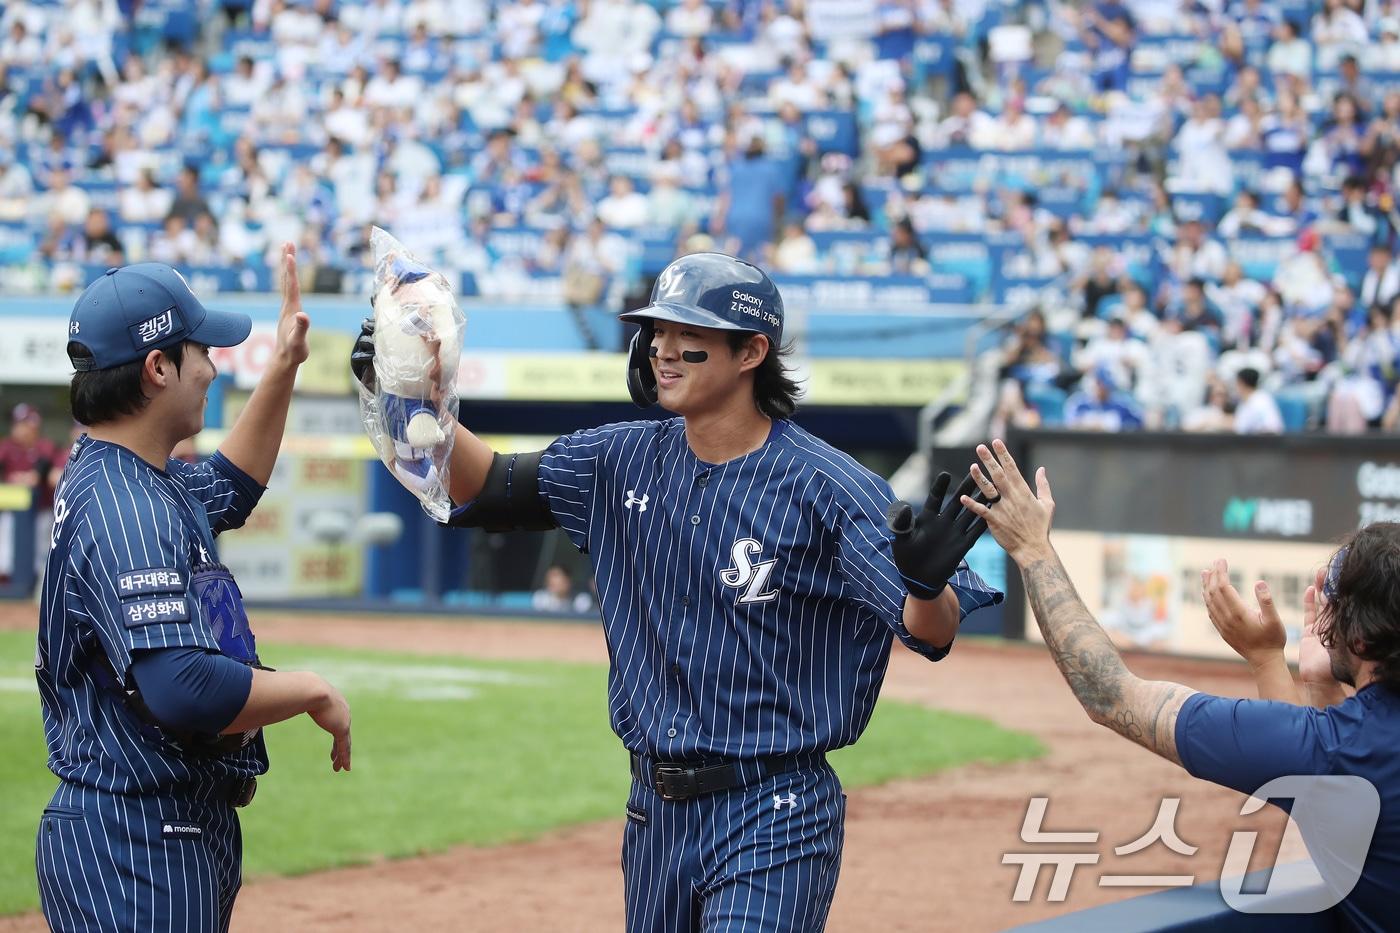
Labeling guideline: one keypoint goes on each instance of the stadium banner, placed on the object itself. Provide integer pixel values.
(842, 19)
(289, 549)
(34, 352)
(1138, 516)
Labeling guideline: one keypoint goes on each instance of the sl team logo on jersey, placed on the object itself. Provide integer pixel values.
(751, 576)
(632, 499)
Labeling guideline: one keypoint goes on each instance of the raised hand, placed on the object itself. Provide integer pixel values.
(1018, 518)
(928, 549)
(1255, 635)
(292, 321)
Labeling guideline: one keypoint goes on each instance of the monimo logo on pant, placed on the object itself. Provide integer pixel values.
(175, 829)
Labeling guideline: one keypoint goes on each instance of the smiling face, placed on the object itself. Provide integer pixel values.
(186, 391)
(724, 378)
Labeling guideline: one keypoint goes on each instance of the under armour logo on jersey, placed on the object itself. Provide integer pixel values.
(632, 500)
(790, 801)
(753, 577)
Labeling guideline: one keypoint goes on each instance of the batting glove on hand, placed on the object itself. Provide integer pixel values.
(362, 355)
(928, 549)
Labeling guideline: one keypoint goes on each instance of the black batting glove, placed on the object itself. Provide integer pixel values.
(362, 355)
(928, 549)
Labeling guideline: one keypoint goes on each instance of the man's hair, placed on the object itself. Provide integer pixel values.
(104, 395)
(774, 391)
(1362, 612)
(1249, 376)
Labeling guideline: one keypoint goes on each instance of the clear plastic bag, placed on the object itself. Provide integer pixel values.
(418, 328)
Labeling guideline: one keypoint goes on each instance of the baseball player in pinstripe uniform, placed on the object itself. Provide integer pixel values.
(750, 592)
(153, 697)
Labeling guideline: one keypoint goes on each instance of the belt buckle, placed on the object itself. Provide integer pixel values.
(243, 792)
(662, 773)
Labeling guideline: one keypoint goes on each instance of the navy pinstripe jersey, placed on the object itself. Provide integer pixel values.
(749, 607)
(117, 581)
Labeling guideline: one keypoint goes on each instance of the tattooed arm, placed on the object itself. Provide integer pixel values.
(1142, 710)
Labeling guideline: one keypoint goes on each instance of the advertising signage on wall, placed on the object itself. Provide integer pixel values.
(1315, 488)
(1139, 516)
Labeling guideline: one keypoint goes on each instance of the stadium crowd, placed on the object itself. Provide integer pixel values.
(1200, 192)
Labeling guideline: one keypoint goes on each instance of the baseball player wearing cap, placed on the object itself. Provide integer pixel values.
(750, 592)
(153, 698)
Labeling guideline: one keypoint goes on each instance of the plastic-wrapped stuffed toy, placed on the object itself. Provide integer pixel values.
(417, 344)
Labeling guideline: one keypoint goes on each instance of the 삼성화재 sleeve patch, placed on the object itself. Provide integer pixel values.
(153, 611)
(153, 580)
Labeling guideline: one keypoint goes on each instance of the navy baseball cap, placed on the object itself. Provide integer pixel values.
(138, 308)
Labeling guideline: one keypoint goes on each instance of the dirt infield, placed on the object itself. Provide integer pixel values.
(920, 855)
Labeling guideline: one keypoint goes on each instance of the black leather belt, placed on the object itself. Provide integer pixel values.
(674, 780)
(239, 792)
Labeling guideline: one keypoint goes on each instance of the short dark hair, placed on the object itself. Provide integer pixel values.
(104, 395)
(1362, 609)
(1249, 376)
(774, 391)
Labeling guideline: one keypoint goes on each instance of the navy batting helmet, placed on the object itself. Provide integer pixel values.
(707, 290)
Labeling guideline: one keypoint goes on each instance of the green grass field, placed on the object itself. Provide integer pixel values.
(446, 751)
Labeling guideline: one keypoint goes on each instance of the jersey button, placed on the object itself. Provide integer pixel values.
(703, 479)
(670, 733)
(695, 519)
(685, 600)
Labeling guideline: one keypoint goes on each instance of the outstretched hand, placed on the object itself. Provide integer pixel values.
(929, 548)
(1018, 518)
(1257, 636)
(292, 321)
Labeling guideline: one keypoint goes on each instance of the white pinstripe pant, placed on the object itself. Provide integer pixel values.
(759, 858)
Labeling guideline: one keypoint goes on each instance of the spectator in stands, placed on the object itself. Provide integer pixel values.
(64, 200)
(1290, 53)
(1355, 214)
(559, 595)
(1256, 411)
(1204, 163)
(964, 124)
(1196, 255)
(1303, 280)
(1011, 130)
(1135, 312)
(1381, 283)
(145, 201)
(751, 202)
(1237, 299)
(246, 85)
(97, 244)
(1115, 352)
(796, 253)
(27, 458)
(1337, 152)
(1063, 130)
(624, 208)
(1368, 362)
(1381, 144)
(188, 203)
(20, 49)
(1384, 56)
(1012, 410)
(1027, 356)
(1336, 28)
(1216, 414)
(668, 206)
(1194, 311)
(907, 254)
(1100, 406)
(1246, 218)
